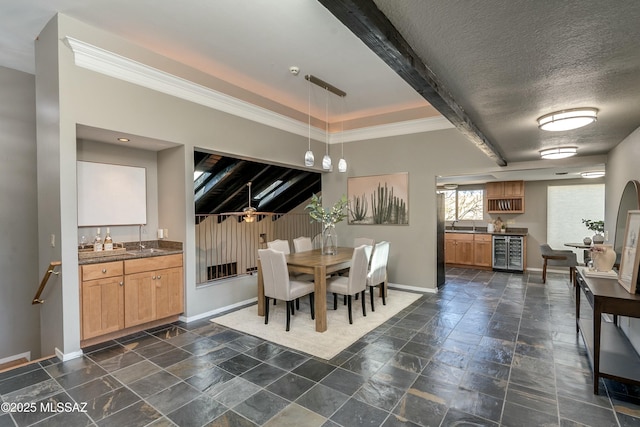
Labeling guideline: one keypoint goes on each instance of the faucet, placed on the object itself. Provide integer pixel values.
(453, 224)
(141, 246)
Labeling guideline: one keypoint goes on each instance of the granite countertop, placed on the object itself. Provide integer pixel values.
(483, 230)
(153, 248)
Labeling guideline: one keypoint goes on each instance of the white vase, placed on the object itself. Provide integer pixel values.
(597, 238)
(603, 261)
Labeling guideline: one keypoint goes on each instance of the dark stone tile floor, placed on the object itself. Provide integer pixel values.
(489, 349)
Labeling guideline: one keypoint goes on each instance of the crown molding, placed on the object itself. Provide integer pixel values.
(117, 66)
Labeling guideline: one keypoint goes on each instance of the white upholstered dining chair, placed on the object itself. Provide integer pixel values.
(302, 244)
(278, 284)
(377, 275)
(280, 246)
(353, 284)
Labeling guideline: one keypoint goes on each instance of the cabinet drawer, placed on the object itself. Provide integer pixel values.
(152, 263)
(483, 237)
(459, 236)
(102, 270)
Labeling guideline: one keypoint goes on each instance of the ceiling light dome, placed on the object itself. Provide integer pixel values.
(567, 119)
(558, 152)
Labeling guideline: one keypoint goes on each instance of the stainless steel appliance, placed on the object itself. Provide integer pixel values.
(508, 253)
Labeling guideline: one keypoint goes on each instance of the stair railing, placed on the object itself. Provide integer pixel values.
(45, 279)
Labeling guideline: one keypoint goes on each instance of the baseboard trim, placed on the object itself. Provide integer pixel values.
(412, 288)
(25, 355)
(68, 356)
(218, 310)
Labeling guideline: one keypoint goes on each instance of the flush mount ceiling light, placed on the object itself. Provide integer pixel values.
(592, 174)
(558, 152)
(123, 139)
(450, 186)
(567, 119)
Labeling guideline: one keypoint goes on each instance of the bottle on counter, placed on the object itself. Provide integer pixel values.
(97, 241)
(108, 242)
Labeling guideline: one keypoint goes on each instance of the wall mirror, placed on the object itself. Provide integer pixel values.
(630, 200)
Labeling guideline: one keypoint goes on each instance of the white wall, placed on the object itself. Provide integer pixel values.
(20, 331)
(622, 166)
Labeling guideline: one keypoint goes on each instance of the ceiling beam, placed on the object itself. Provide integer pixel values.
(367, 22)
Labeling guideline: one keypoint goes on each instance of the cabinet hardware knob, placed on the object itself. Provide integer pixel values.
(153, 278)
(159, 277)
(104, 270)
(121, 283)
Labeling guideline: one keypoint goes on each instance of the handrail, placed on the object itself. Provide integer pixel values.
(45, 279)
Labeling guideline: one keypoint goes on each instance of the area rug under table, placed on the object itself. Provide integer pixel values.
(303, 336)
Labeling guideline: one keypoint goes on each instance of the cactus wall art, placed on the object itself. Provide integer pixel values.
(379, 199)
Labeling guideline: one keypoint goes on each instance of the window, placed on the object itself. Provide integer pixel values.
(567, 205)
(463, 204)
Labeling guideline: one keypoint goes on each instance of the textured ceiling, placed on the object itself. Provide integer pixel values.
(504, 63)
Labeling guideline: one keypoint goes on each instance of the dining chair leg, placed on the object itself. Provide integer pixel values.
(344, 300)
(289, 303)
(373, 308)
(335, 301)
(312, 300)
(291, 306)
(349, 308)
(384, 291)
(544, 271)
(274, 301)
(266, 310)
(297, 303)
(364, 310)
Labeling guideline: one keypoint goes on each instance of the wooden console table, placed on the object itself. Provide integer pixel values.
(612, 355)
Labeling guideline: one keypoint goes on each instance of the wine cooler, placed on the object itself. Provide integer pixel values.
(508, 253)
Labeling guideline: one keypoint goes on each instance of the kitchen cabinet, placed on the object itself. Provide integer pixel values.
(153, 288)
(119, 295)
(482, 250)
(505, 197)
(102, 298)
(459, 248)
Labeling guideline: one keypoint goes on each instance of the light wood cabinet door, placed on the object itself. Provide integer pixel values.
(494, 189)
(139, 298)
(464, 252)
(102, 306)
(449, 251)
(513, 188)
(169, 292)
(482, 253)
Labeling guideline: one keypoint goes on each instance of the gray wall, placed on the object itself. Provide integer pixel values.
(622, 166)
(20, 331)
(412, 257)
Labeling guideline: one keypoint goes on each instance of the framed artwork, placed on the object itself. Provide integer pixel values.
(628, 274)
(379, 199)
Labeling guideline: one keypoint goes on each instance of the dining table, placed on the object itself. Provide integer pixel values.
(586, 253)
(319, 265)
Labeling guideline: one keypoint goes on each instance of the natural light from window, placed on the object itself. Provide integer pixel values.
(461, 205)
(567, 206)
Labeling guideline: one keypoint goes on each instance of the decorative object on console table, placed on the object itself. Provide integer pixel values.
(597, 227)
(586, 240)
(628, 274)
(328, 218)
(603, 257)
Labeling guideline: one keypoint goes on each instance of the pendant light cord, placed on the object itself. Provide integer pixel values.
(309, 112)
(327, 121)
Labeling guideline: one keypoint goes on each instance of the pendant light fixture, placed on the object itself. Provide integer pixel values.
(308, 156)
(342, 163)
(326, 160)
(249, 211)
